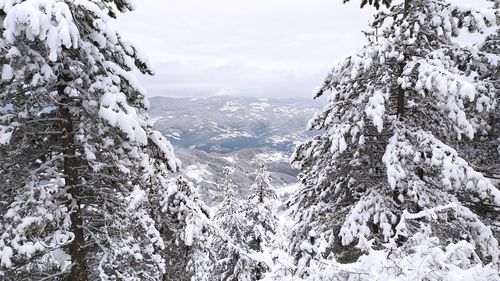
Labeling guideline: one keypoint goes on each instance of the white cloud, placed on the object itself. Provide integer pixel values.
(275, 48)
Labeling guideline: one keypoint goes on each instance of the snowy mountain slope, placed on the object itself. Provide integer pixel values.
(227, 124)
(205, 169)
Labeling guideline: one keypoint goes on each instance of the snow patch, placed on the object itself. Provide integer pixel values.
(260, 106)
(271, 157)
(231, 106)
(197, 172)
(5, 135)
(229, 159)
(231, 135)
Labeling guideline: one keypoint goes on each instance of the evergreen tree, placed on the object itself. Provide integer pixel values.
(231, 265)
(261, 213)
(385, 172)
(184, 224)
(80, 161)
(229, 243)
(483, 151)
(261, 221)
(311, 256)
(229, 215)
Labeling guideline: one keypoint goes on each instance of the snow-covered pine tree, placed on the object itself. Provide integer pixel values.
(483, 151)
(229, 214)
(228, 237)
(230, 218)
(311, 256)
(260, 211)
(261, 220)
(384, 171)
(489, 71)
(184, 224)
(193, 242)
(81, 161)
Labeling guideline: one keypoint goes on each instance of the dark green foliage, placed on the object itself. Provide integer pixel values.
(374, 3)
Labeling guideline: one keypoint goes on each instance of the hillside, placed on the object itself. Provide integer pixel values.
(244, 133)
(226, 124)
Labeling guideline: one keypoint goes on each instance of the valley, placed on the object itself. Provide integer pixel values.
(244, 133)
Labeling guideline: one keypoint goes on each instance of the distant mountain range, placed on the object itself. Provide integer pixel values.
(226, 124)
(213, 132)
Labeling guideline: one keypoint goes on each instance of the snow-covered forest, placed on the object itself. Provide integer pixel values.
(399, 181)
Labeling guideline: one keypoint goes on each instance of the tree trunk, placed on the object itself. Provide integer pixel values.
(401, 91)
(407, 7)
(401, 102)
(76, 248)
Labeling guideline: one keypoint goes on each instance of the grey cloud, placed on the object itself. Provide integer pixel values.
(276, 48)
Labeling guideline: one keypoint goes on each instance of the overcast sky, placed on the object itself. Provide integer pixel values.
(263, 48)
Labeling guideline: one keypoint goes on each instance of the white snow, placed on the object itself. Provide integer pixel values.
(4, 135)
(260, 106)
(231, 106)
(115, 110)
(271, 157)
(287, 190)
(50, 21)
(231, 135)
(7, 72)
(230, 159)
(375, 109)
(197, 172)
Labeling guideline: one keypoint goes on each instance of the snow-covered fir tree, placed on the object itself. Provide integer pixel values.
(231, 263)
(261, 211)
(196, 247)
(311, 256)
(184, 224)
(261, 221)
(384, 182)
(82, 170)
(229, 214)
(483, 151)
